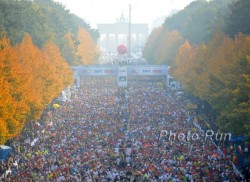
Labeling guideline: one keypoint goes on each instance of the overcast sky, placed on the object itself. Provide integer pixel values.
(107, 11)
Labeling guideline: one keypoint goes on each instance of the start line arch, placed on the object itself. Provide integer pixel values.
(122, 72)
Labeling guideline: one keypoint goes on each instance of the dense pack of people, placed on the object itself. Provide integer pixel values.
(107, 133)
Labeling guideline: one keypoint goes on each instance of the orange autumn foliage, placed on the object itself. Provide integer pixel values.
(69, 50)
(167, 47)
(29, 79)
(218, 72)
(31, 60)
(87, 49)
(60, 69)
(13, 108)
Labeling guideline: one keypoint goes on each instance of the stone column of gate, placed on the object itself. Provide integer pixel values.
(116, 39)
(107, 43)
(137, 39)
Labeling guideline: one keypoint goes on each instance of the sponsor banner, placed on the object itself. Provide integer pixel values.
(97, 71)
(122, 76)
(147, 70)
(115, 70)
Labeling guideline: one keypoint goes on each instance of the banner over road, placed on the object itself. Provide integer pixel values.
(108, 70)
(147, 70)
(97, 70)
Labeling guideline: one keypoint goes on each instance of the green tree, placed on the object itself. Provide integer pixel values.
(198, 21)
(44, 20)
(218, 73)
(239, 19)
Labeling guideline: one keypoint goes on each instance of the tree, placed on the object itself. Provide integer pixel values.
(197, 22)
(181, 69)
(44, 20)
(69, 48)
(218, 72)
(33, 65)
(167, 47)
(62, 74)
(29, 79)
(152, 44)
(239, 19)
(86, 48)
(13, 108)
(6, 111)
(236, 114)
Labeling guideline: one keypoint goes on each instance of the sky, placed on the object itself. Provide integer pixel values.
(107, 11)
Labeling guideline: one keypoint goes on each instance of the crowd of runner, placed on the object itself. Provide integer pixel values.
(106, 133)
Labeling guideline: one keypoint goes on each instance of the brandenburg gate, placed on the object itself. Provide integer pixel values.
(114, 34)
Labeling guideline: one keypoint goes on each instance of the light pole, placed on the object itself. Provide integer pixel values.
(129, 31)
